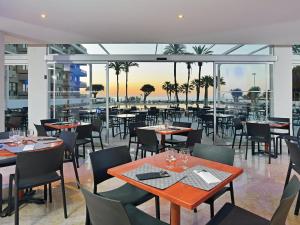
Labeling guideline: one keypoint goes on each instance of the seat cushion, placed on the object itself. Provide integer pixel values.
(37, 181)
(128, 194)
(82, 141)
(138, 217)
(234, 215)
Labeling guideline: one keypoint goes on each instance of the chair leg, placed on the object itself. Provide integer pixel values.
(136, 151)
(76, 156)
(10, 194)
(45, 192)
(76, 172)
(246, 149)
(212, 210)
(101, 141)
(241, 141)
(92, 143)
(16, 206)
(232, 193)
(297, 205)
(195, 210)
(50, 193)
(63, 193)
(83, 149)
(157, 207)
(280, 146)
(233, 141)
(288, 175)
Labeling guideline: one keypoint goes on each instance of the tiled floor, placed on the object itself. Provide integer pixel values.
(258, 189)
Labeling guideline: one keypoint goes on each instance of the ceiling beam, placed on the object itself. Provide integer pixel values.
(78, 48)
(156, 49)
(104, 49)
(210, 47)
(257, 50)
(232, 49)
(57, 50)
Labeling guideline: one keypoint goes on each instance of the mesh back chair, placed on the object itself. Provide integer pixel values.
(84, 136)
(260, 133)
(111, 212)
(280, 132)
(238, 130)
(147, 142)
(14, 122)
(69, 139)
(132, 131)
(234, 215)
(49, 121)
(127, 194)
(193, 137)
(97, 128)
(37, 168)
(152, 116)
(294, 138)
(218, 154)
(173, 141)
(4, 135)
(207, 124)
(294, 165)
(40, 129)
(141, 117)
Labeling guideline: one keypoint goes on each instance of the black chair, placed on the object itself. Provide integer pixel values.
(104, 211)
(208, 124)
(147, 142)
(132, 131)
(49, 121)
(294, 138)
(4, 135)
(141, 117)
(127, 194)
(218, 154)
(238, 130)
(84, 136)
(294, 164)
(173, 141)
(97, 128)
(14, 122)
(41, 131)
(280, 132)
(37, 168)
(69, 139)
(260, 133)
(234, 215)
(193, 137)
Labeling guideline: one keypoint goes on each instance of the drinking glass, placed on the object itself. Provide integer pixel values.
(171, 158)
(30, 133)
(185, 157)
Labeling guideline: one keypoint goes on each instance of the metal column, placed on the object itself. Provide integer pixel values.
(107, 102)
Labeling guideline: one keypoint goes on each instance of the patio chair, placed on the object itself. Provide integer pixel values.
(132, 131)
(173, 141)
(97, 125)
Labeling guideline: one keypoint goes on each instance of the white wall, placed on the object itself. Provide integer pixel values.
(2, 84)
(282, 82)
(37, 85)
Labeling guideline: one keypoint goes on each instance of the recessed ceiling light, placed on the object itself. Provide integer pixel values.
(43, 15)
(180, 16)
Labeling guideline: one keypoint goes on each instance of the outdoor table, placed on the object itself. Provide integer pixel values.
(8, 158)
(170, 130)
(179, 194)
(273, 124)
(65, 125)
(125, 118)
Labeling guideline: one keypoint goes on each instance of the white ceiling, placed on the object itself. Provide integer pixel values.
(151, 21)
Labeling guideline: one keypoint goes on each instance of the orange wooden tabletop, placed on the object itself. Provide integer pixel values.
(181, 194)
(64, 126)
(159, 129)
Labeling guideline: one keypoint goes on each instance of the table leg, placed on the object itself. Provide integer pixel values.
(174, 214)
(125, 122)
(163, 139)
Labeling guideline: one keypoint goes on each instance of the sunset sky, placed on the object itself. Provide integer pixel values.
(156, 73)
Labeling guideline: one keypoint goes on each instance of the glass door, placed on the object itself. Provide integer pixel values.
(242, 93)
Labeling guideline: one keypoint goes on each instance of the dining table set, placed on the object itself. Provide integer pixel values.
(182, 179)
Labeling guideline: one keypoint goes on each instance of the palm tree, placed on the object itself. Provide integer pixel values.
(296, 49)
(126, 66)
(147, 89)
(197, 84)
(200, 50)
(167, 86)
(189, 67)
(97, 88)
(186, 89)
(171, 90)
(175, 49)
(236, 94)
(118, 67)
(208, 81)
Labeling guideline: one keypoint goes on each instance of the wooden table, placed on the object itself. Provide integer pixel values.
(180, 194)
(171, 130)
(63, 126)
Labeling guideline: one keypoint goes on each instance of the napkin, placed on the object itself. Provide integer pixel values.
(207, 176)
(28, 148)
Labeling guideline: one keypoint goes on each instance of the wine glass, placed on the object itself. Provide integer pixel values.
(30, 133)
(170, 158)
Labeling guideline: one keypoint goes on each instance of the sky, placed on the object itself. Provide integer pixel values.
(156, 73)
